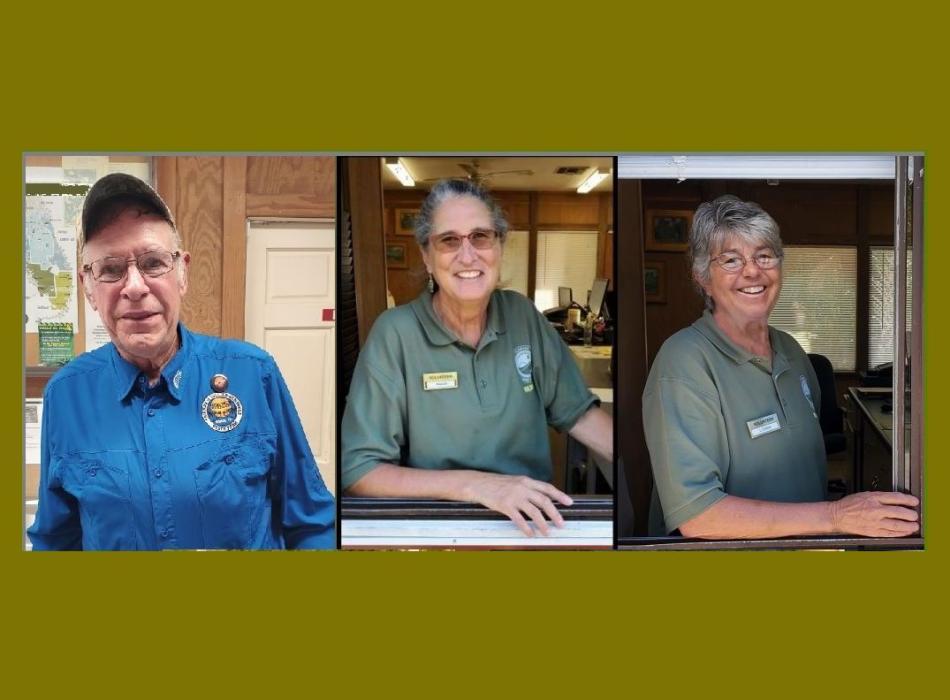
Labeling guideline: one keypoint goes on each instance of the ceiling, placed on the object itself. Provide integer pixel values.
(425, 170)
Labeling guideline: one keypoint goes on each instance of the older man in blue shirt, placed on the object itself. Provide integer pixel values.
(164, 438)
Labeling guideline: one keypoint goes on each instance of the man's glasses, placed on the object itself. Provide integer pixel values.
(733, 262)
(480, 239)
(153, 263)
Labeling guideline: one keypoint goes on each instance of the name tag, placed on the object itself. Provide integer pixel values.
(433, 381)
(763, 426)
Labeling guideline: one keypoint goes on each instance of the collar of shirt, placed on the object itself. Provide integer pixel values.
(437, 334)
(706, 326)
(126, 373)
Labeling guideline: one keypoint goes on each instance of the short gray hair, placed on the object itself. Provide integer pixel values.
(445, 190)
(720, 219)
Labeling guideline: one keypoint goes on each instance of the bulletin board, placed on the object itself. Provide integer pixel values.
(55, 186)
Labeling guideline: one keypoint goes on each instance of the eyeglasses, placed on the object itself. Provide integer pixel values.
(153, 263)
(733, 262)
(480, 239)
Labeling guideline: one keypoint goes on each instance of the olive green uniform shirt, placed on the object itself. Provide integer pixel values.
(485, 408)
(704, 400)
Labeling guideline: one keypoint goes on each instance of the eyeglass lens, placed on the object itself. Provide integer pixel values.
(478, 239)
(153, 263)
(732, 262)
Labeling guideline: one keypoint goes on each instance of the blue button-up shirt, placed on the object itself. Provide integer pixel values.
(126, 465)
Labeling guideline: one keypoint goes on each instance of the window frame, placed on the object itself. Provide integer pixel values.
(907, 474)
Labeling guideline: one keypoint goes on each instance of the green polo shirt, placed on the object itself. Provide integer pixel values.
(704, 400)
(420, 397)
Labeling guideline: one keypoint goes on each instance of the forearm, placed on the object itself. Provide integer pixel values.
(596, 430)
(394, 481)
(513, 496)
(745, 518)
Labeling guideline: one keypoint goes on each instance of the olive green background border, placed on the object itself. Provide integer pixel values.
(492, 77)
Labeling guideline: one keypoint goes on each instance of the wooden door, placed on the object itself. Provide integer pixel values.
(290, 312)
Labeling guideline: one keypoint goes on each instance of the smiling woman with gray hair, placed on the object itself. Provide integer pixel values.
(729, 408)
(453, 393)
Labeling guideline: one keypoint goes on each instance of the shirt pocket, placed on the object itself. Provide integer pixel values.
(102, 489)
(233, 496)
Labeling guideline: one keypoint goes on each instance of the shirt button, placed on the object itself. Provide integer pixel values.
(229, 459)
(151, 412)
(164, 534)
(484, 384)
(158, 473)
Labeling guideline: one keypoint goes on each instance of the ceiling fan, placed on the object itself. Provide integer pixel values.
(481, 178)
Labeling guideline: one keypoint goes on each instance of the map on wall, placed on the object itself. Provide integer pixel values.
(50, 260)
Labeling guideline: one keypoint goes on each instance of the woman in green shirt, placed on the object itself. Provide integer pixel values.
(729, 408)
(453, 392)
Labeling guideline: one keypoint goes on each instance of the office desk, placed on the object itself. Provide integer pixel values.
(873, 432)
(386, 523)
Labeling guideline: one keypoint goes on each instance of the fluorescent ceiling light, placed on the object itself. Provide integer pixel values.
(400, 171)
(592, 181)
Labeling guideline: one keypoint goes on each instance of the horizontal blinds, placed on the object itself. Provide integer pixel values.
(881, 305)
(777, 166)
(514, 262)
(564, 259)
(818, 301)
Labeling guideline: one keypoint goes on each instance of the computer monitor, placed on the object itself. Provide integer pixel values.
(565, 297)
(597, 292)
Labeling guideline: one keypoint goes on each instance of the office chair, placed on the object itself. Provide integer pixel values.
(830, 415)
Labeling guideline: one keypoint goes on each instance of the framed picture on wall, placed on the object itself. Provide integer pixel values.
(396, 255)
(406, 221)
(654, 282)
(668, 229)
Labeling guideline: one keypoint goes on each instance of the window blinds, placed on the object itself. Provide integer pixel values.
(818, 301)
(514, 262)
(564, 259)
(881, 305)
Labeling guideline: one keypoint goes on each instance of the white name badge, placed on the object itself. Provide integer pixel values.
(433, 381)
(763, 426)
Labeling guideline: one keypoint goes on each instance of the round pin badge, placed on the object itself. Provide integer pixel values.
(219, 383)
(222, 411)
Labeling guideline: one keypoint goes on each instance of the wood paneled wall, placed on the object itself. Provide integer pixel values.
(212, 198)
(634, 479)
(530, 211)
(291, 187)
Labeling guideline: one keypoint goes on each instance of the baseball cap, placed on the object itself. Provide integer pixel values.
(111, 187)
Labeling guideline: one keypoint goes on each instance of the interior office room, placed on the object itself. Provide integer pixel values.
(558, 253)
(845, 221)
(261, 231)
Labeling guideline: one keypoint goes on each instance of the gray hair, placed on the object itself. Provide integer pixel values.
(716, 221)
(445, 190)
